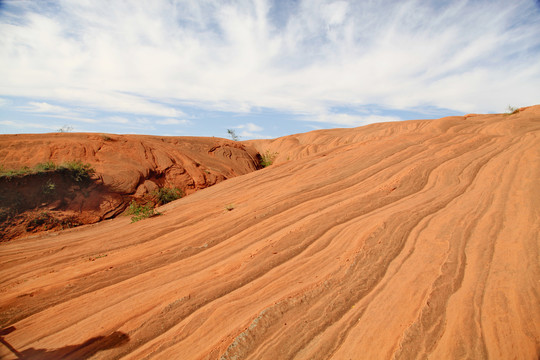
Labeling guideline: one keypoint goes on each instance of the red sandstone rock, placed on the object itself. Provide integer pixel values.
(409, 240)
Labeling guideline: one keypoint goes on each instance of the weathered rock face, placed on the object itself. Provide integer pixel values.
(126, 167)
(54, 201)
(407, 240)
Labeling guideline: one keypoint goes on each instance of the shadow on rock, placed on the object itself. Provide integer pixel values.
(84, 350)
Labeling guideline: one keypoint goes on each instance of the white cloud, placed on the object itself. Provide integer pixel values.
(117, 120)
(72, 117)
(43, 107)
(173, 122)
(29, 125)
(250, 136)
(8, 123)
(247, 135)
(350, 120)
(250, 127)
(462, 55)
(251, 131)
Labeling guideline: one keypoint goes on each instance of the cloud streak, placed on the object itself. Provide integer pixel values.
(307, 57)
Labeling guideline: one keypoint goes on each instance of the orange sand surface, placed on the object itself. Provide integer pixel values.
(416, 239)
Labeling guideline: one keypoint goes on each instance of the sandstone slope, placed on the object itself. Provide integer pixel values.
(403, 240)
(126, 167)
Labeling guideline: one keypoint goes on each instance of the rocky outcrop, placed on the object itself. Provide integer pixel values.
(126, 167)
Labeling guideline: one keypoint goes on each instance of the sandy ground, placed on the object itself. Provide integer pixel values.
(405, 240)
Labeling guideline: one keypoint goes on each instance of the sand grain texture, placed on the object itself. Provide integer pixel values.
(407, 240)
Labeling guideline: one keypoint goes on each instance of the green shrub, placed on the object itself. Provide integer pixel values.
(166, 195)
(268, 158)
(78, 171)
(46, 166)
(140, 212)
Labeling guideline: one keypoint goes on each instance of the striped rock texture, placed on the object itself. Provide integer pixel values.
(406, 240)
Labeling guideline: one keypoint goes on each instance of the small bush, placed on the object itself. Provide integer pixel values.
(166, 195)
(78, 171)
(229, 207)
(47, 166)
(65, 128)
(140, 212)
(233, 135)
(512, 110)
(268, 158)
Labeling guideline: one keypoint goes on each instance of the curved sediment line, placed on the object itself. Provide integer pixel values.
(287, 346)
(147, 267)
(96, 282)
(412, 240)
(380, 248)
(421, 337)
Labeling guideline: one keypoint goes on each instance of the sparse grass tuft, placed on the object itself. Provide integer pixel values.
(46, 166)
(140, 212)
(268, 158)
(11, 173)
(94, 258)
(78, 171)
(166, 195)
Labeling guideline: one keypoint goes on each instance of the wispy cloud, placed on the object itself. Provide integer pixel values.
(250, 127)
(304, 57)
(30, 125)
(173, 122)
(351, 120)
(43, 107)
(117, 119)
(251, 131)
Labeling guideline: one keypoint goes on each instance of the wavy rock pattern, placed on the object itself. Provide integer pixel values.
(403, 240)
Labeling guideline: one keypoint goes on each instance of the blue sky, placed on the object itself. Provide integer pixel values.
(264, 68)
